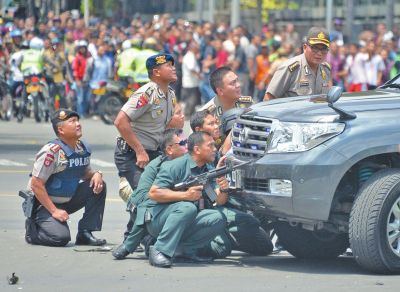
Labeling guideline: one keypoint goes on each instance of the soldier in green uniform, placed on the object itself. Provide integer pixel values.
(173, 145)
(304, 74)
(179, 222)
(243, 231)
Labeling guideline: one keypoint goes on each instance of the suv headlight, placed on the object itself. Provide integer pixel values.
(297, 137)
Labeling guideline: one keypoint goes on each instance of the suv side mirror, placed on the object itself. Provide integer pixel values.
(334, 94)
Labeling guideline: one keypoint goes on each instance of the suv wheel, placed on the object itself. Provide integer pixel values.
(307, 244)
(375, 223)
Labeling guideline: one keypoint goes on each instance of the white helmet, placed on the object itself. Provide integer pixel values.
(126, 45)
(36, 43)
(82, 43)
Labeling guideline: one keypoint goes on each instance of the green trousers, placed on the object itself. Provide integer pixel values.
(243, 233)
(179, 227)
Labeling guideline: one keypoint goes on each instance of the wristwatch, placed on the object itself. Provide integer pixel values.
(100, 172)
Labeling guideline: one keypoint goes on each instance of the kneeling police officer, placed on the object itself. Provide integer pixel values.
(59, 168)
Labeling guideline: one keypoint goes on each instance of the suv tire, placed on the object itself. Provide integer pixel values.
(306, 244)
(374, 220)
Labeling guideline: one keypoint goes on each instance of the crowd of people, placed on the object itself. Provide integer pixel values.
(76, 58)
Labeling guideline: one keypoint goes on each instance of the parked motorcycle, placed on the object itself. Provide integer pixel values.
(118, 93)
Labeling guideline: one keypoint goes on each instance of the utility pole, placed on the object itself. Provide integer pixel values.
(86, 12)
(235, 13)
(199, 10)
(390, 14)
(328, 23)
(349, 19)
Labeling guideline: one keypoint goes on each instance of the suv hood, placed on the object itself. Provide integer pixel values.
(315, 108)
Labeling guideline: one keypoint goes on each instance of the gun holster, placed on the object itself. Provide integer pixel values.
(123, 146)
(28, 203)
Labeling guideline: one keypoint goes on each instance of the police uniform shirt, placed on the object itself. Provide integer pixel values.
(52, 159)
(150, 111)
(215, 108)
(295, 77)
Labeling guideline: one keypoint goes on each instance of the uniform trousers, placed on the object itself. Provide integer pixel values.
(243, 233)
(181, 229)
(43, 229)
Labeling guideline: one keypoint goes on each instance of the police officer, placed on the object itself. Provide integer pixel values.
(179, 221)
(143, 119)
(226, 84)
(304, 74)
(173, 145)
(228, 88)
(243, 231)
(59, 167)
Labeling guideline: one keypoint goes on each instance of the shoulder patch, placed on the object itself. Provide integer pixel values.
(211, 109)
(246, 99)
(326, 64)
(55, 148)
(294, 66)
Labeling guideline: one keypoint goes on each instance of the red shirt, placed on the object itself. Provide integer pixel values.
(79, 66)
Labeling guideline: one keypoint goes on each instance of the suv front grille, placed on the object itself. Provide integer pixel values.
(256, 185)
(249, 136)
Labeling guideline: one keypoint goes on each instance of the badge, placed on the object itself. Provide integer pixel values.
(141, 101)
(61, 156)
(219, 111)
(161, 60)
(323, 74)
(156, 101)
(62, 115)
(55, 148)
(48, 160)
(303, 83)
(174, 101)
(306, 70)
(294, 66)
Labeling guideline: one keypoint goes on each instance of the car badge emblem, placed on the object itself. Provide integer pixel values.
(243, 135)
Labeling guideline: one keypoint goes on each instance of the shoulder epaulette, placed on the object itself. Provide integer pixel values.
(246, 99)
(294, 66)
(55, 148)
(211, 108)
(326, 64)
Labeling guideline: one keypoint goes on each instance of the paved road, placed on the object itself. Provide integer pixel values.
(65, 269)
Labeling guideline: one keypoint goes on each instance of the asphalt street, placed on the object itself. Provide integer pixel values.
(77, 269)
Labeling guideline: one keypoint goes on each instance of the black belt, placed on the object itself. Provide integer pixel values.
(125, 148)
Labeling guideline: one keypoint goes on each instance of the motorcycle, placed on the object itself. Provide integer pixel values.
(118, 92)
(36, 97)
(6, 105)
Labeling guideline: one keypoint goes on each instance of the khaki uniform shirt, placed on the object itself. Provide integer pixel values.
(150, 111)
(49, 160)
(215, 108)
(295, 77)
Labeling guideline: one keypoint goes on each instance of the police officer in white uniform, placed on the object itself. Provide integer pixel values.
(304, 74)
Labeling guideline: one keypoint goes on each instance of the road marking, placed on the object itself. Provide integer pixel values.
(101, 163)
(107, 199)
(6, 162)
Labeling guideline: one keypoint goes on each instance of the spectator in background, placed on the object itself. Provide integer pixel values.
(78, 71)
(336, 34)
(354, 67)
(240, 66)
(337, 62)
(191, 79)
(251, 53)
(388, 65)
(98, 69)
(208, 65)
(373, 67)
(290, 36)
(262, 70)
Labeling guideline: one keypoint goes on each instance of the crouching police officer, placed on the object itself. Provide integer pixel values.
(59, 167)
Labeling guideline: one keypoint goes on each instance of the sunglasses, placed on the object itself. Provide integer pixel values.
(316, 49)
(182, 142)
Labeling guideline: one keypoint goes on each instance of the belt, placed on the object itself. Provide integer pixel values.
(125, 148)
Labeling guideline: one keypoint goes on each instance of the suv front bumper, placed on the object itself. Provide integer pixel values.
(296, 186)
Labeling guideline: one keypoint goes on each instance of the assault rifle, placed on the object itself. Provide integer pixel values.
(206, 178)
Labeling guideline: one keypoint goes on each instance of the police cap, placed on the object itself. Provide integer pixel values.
(62, 115)
(318, 35)
(159, 59)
